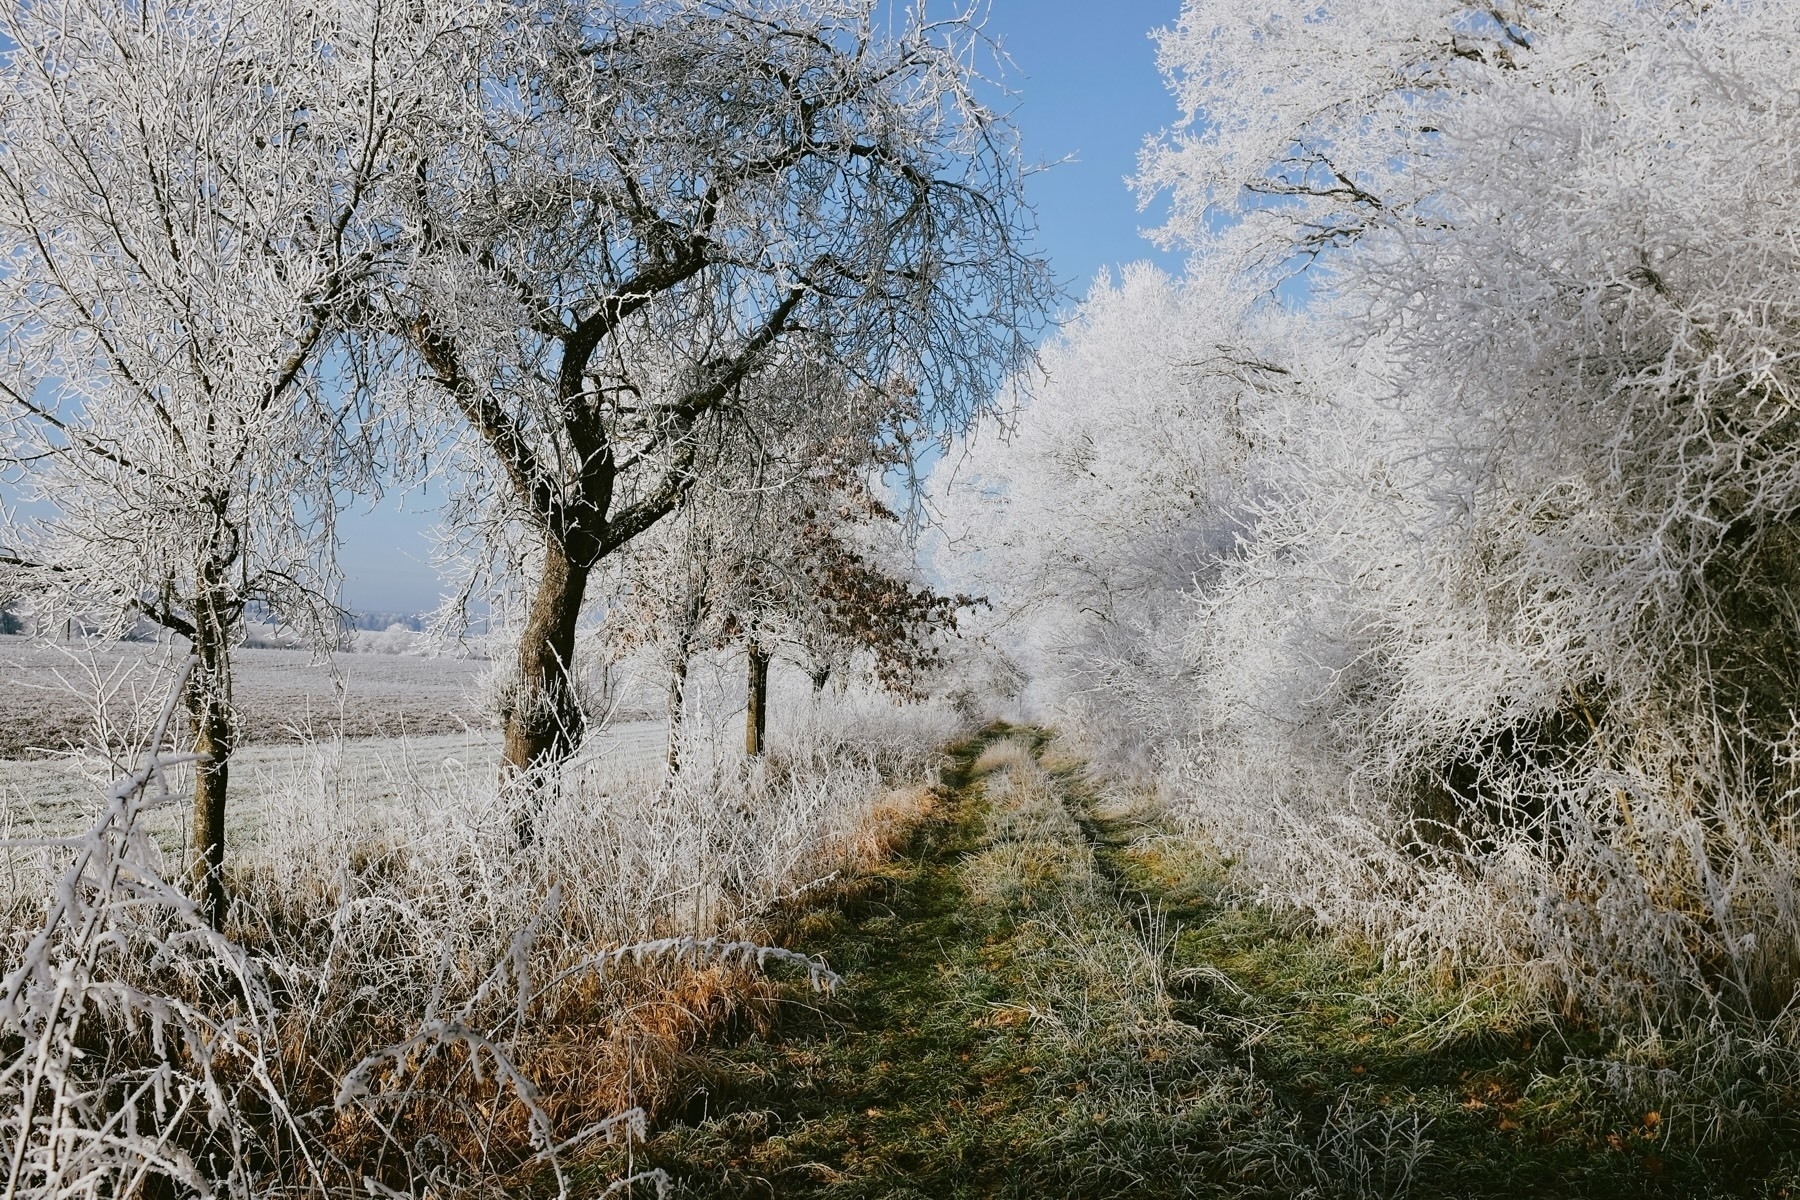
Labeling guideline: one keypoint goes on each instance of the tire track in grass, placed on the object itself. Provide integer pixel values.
(1001, 1021)
(1048, 995)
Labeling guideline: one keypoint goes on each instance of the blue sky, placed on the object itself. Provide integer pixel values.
(1086, 87)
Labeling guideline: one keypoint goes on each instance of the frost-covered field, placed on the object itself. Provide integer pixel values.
(65, 793)
(48, 690)
(368, 731)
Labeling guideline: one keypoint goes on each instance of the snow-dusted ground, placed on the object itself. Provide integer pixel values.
(47, 690)
(333, 744)
(61, 795)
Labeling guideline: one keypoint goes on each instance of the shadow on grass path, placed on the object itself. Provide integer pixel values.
(1052, 995)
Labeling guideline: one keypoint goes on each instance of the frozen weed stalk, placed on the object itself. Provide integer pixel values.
(412, 1006)
(67, 1135)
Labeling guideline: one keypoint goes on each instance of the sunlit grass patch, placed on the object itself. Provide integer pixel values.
(1057, 993)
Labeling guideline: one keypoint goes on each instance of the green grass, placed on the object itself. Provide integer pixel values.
(1052, 995)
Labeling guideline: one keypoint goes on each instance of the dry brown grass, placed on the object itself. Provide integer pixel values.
(594, 1047)
(628, 1042)
(601, 1044)
(896, 814)
(1005, 754)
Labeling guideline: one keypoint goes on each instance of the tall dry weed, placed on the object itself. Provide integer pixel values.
(414, 1004)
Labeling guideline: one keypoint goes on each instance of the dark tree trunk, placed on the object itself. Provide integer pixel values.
(544, 723)
(756, 715)
(820, 675)
(208, 701)
(678, 674)
(681, 657)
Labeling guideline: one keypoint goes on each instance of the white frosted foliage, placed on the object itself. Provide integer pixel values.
(1475, 630)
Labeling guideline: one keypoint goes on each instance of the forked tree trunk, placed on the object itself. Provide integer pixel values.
(820, 675)
(207, 697)
(678, 675)
(756, 714)
(544, 722)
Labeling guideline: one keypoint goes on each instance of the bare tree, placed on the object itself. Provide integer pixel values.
(668, 592)
(786, 548)
(636, 209)
(179, 194)
(826, 574)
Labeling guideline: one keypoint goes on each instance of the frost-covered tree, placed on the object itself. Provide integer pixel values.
(827, 575)
(179, 199)
(628, 211)
(1117, 489)
(790, 551)
(1497, 660)
(1541, 573)
(667, 593)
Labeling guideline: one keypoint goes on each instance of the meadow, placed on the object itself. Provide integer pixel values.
(57, 691)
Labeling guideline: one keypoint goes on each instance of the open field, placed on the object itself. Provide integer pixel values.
(62, 795)
(365, 730)
(46, 701)
(357, 736)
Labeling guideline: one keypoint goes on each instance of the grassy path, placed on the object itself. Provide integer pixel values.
(1048, 997)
